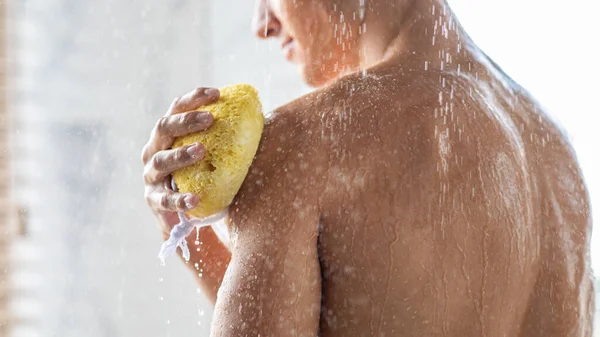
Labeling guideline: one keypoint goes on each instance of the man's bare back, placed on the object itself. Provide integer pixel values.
(456, 210)
(427, 196)
(471, 222)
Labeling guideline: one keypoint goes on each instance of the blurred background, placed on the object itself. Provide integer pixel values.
(82, 83)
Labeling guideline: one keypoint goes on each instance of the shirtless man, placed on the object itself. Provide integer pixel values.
(418, 192)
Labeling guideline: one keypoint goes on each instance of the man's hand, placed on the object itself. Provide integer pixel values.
(209, 263)
(160, 160)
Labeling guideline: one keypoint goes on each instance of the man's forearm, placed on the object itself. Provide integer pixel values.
(209, 262)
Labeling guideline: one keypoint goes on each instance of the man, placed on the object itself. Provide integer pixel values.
(418, 192)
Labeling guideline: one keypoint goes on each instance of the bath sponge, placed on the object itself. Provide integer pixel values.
(231, 143)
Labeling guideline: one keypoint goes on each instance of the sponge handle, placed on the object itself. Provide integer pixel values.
(182, 230)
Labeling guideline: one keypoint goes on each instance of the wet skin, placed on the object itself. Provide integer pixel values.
(427, 196)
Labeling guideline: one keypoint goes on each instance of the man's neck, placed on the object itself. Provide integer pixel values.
(427, 29)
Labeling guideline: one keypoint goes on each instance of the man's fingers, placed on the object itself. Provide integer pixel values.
(169, 127)
(163, 163)
(194, 100)
(183, 124)
(163, 200)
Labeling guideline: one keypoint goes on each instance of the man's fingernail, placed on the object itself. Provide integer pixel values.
(189, 201)
(203, 117)
(211, 92)
(192, 151)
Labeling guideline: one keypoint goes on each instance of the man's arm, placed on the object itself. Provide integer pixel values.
(209, 263)
(208, 259)
(273, 284)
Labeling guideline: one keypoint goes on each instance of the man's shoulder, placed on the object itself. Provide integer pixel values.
(353, 96)
(288, 158)
(282, 184)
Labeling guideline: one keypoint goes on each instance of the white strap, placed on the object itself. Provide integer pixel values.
(183, 229)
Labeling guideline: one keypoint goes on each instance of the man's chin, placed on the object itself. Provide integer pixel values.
(313, 76)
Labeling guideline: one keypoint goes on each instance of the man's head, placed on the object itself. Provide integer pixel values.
(321, 36)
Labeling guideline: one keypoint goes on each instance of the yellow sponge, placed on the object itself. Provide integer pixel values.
(231, 143)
